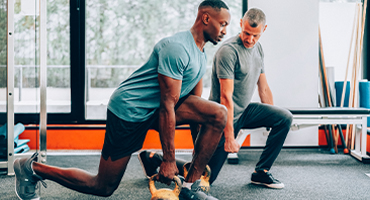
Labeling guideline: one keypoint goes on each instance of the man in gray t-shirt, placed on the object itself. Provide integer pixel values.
(238, 67)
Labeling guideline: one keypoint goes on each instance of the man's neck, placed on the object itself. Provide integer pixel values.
(198, 37)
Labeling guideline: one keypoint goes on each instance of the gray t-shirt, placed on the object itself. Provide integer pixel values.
(234, 61)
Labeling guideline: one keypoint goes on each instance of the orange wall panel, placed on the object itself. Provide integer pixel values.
(93, 139)
(368, 144)
(75, 139)
(152, 140)
(87, 139)
(32, 135)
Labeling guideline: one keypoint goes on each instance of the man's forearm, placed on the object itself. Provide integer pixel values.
(167, 125)
(264, 90)
(229, 128)
(266, 97)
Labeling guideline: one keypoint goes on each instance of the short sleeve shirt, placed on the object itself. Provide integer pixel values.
(244, 65)
(178, 57)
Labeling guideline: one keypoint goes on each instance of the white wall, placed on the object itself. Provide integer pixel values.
(290, 43)
(336, 22)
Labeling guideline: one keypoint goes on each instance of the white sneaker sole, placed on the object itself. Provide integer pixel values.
(274, 186)
(15, 185)
(15, 189)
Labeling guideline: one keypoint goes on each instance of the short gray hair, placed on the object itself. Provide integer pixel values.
(255, 17)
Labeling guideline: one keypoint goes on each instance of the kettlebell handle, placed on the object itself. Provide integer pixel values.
(178, 185)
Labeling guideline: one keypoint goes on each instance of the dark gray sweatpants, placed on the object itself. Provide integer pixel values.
(257, 115)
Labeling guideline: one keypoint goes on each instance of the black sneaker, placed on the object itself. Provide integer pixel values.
(196, 192)
(26, 179)
(149, 167)
(204, 179)
(266, 179)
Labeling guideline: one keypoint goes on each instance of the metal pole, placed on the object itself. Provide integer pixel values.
(10, 85)
(20, 82)
(43, 80)
(365, 50)
(88, 87)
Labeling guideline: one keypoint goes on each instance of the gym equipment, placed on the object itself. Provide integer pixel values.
(232, 158)
(18, 129)
(204, 179)
(164, 193)
(327, 93)
(308, 117)
(20, 146)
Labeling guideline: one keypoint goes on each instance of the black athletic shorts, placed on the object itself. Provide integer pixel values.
(122, 138)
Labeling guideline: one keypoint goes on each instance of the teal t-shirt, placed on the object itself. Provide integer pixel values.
(178, 57)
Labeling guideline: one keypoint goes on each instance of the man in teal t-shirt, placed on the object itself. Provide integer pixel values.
(163, 93)
(177, 57)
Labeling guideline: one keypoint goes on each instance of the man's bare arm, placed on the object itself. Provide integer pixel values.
(264, 90)
(198, 89)
(170, 93)
(226, 99)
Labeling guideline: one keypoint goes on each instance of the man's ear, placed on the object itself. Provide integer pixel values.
(205, 18)
(264, 28)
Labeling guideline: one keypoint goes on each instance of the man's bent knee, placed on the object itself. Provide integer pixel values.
(220, 117)
(288, 118)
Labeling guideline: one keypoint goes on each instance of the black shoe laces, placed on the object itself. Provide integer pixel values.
(271, 177)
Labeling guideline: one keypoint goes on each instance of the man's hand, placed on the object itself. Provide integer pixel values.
(231, 146)
(167, 171)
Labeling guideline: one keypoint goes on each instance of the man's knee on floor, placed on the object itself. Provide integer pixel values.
(105, 190)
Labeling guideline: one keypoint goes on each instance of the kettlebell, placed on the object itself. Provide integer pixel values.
(204, 179)
(164, 193)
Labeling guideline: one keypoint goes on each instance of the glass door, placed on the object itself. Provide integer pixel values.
(23, 76)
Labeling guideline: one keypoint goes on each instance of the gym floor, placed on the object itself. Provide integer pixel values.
(308, 173)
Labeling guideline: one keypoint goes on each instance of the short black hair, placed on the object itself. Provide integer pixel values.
(216, 4)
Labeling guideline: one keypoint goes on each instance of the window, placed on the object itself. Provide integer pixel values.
(120, 36)
(26, 57)
(92, 47)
